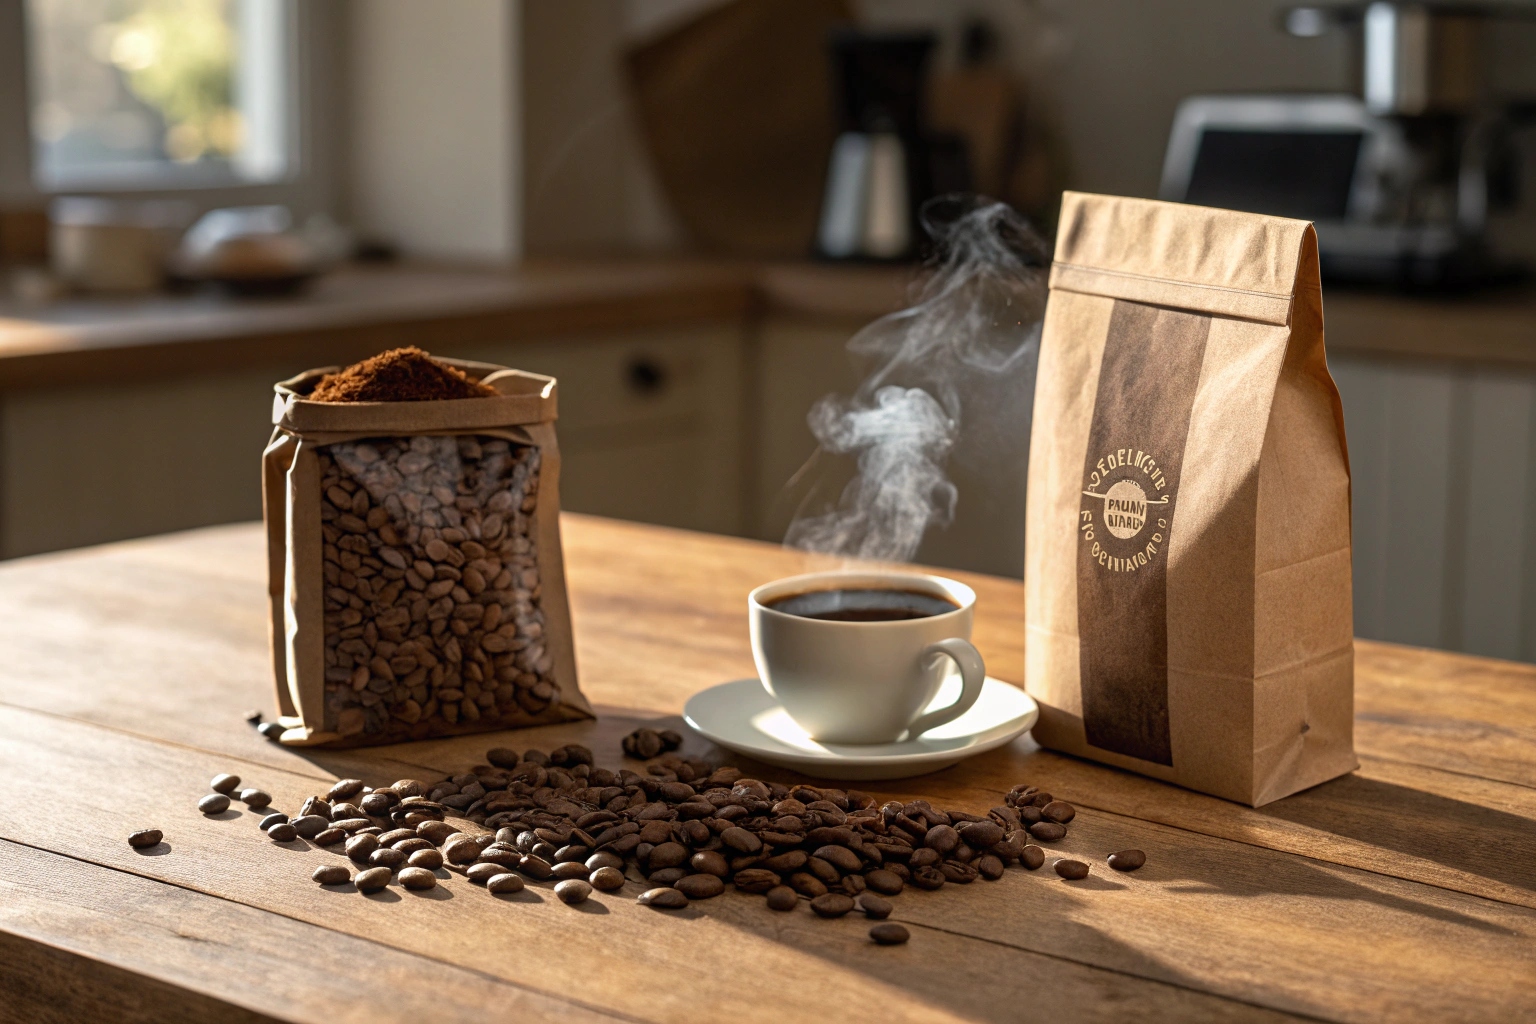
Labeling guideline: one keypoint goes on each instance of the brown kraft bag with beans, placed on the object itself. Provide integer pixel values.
(1187, 546)
(416, 578)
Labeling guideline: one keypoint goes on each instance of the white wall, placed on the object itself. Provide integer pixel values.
(435, 158)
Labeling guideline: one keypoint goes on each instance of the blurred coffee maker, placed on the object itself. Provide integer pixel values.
(1400, 178)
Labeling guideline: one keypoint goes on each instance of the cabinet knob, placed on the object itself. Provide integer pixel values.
(646, 376)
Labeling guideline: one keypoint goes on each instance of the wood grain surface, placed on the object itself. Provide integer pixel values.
(1405, 891)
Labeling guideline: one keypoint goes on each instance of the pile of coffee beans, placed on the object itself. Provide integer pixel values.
(685, 829)
(432, 591)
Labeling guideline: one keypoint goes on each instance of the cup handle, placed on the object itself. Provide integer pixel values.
(972, 674)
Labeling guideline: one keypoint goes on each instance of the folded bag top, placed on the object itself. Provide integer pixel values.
(1187, 546)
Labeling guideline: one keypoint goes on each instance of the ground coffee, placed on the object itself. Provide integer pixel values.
(399, 375)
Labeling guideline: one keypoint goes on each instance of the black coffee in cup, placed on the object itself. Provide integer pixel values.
(865, 605)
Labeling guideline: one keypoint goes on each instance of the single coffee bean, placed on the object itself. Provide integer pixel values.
(429, 859)
(410, 846)
(782, 897)
(832, 904)
(668, 855)
(213, 803)
(607, 878)
(225, 784)
(1058, 811)
(1032, 857)
(310, 825)
(377, 804)
(741, 840)
(923, 858)
(806, 884)
(255, 799)
(960, 874)
(461, 850)
(419, 879)
(502, 757)
(361, 847)
(605, 859)
(504, 883)
(384, 857)
(889, 933)
(573, 891)
(145, 838)
(883, 881)
(840, 857)
(1127, 860)
(395, 835)
(981, 835)
(710, 862)
(436, 832)
(877, 907)
(351, 825)
(665, 898)
(1073, 869)
(372, 879)
(276, 818)
(1047, 831)
(928, 877)
(536, 868)
(571, 869)
(331, 874)
(700, 887)
(853, 885)
(666, 876)
(991, 867)
(317, 806)
(346, 789)
(942, 838)
(282, 833)
(330, 837)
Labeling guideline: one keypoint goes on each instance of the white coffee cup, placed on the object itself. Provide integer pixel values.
(865, 681)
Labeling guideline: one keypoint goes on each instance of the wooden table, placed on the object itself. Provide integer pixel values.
(1404, 892)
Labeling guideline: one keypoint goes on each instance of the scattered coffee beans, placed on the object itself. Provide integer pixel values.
(282, 833)
(255, 799)
(832, 904)
(372, 880)
(782, 897)
(1032, 857)
(608, 879)
(331, 874)
(574, 890)
(700, 887)
(1073, 869)
(502, 884)
(889, 933)
(419, 879)
(1127, 860)
(429, 859)
(225, 784)
(874, 906)
(270, 820)
(665, 898)
(213, 803)
(645, 744)
(144, 838)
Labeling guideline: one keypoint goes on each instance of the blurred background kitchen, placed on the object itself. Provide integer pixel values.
(684, 209)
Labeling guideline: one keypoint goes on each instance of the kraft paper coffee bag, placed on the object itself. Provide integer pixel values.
(1187, 547)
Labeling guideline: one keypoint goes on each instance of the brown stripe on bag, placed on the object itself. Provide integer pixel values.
(1147, 384)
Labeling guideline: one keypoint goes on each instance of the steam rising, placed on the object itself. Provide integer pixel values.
(951, 377)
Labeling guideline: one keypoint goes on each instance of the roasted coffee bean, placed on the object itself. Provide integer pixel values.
(351, 825)
(710, 863)
(282, 833)
(310, 825)
(853, 885)
(666, 876)
(330, 837)
(502, 757)
(607, 878)
(924, 858)
(1127, 860)
(1058, 811)
(789, 860)
(384, 857)
(461, 849)
(225, 784)
(372, 880)
(144, 838)
(755, 880)
(571, 869)
(884, 881)
(961, 874)
(889, 933)
(361, 847)
(1032, 857)
(346, 789)
(991, 867)
(807, 885)
(1029, 814)
(419, 879)
(942, 838)
(1073, 869)
(331, 874)
(1048, 831)
(874, 906)
(840, 857)
(395, 835)
(270, 820)
(315, 805)
(741, 840)
(665, 898)
(536, 868)
(782, 897)
(376, 804)
(213, 803)
(503, 884)
(699, 887)
(484, 872)
(573, 851)
(429, 859)
(832, 904)
(927, 877)
(668, 855)
(981, 835)
(255, 799)
(436, 832)
(823, 870)
(412, 845)
(605, 859)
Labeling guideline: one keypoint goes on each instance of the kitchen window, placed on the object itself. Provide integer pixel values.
(161, 94)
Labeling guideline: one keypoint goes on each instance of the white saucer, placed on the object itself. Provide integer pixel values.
(744, 717)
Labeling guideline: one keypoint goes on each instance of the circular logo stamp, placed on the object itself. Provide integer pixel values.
(1125, 509)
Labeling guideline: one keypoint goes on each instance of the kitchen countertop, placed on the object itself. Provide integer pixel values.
(360, 310)
(1405, 891)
